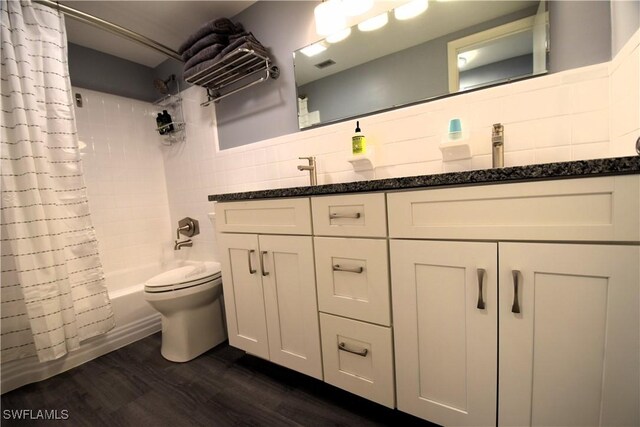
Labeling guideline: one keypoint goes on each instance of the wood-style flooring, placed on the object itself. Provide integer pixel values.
(135, 386)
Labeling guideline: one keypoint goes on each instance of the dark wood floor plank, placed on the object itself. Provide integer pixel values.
(135, 387)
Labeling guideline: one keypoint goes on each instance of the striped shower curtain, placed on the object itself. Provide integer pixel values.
(53, 291)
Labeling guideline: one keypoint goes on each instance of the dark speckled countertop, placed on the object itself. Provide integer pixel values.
(575, 169)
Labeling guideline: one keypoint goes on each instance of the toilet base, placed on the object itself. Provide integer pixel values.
(183, 336)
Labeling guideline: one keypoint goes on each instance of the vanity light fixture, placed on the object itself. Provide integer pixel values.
(411, 9)
(356, 7)
(339, 36)
(374, 23)
(329, 17)
(313, 49)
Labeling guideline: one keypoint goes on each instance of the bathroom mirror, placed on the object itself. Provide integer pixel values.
(453, 46)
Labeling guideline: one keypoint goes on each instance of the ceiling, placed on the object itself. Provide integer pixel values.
(167, 22)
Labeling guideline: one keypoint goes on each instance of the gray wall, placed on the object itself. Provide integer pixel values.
(579, 33)
(269, 109)
(380, 83)
(625, 20)
(99, 71)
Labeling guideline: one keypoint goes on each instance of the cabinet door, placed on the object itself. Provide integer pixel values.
(570, 356)
(288, 278)
(243, 295)
(445, 346)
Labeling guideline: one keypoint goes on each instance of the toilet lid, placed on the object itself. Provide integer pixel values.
(182, 277)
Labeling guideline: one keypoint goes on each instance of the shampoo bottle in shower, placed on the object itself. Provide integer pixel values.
(166, 117)
(159, 123)
(358, 142)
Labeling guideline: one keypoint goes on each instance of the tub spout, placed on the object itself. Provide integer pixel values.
(179, 245)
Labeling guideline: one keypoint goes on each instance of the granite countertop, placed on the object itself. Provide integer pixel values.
(574, 169)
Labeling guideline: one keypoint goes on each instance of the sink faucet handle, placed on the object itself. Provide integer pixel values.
(311, 159)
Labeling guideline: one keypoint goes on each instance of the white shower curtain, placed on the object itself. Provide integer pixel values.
(53, 291)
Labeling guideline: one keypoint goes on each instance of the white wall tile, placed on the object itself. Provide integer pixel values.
(590, 127)
(119, 185)
(590, 151)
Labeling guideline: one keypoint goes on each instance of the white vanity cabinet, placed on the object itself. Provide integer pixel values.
(445, 315)
(569, 328)
(569, 336)
(269, 282)
(353, 294)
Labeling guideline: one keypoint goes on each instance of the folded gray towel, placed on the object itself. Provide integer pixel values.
(246, 40)
(216, 26)
(204, 42)
(205, 54)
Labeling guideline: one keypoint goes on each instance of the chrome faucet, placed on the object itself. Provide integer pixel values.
(189, 227)
(497, 143)
(313, 175)
(180, 244)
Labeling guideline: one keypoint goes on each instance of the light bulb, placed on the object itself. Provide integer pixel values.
(329, 17)
(374, 23)
(411, 9)
(356, 7)
(339, 36)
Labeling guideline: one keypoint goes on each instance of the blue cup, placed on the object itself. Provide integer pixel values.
(455, 129)
(455, 126)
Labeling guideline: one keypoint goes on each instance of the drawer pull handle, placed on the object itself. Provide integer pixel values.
(346, 215)
(342, 346)
(481, 305)
(515, 308)
(251, 269)
(262, 263)
(358, 270)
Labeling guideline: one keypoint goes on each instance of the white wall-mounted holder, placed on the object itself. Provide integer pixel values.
(455, 149)
(363, 162)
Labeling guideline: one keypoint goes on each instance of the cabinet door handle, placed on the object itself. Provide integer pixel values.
(342, 346)
(345, 215)
(251, 269)
(262, 263)
(515, 308)
(338, 267)
(481, 273)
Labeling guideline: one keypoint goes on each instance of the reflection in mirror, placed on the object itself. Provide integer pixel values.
(453, 46)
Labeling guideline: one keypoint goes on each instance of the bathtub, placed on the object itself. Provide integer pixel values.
(135, 319)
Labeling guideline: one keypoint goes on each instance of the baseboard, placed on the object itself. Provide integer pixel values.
(25, 371)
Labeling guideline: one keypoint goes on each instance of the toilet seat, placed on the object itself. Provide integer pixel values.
(189, 276)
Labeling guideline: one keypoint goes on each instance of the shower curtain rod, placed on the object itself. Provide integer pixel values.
(111, 27)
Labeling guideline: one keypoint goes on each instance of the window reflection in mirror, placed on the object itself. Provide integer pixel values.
(418, 59)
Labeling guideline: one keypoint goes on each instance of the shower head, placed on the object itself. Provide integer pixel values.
(162, 86)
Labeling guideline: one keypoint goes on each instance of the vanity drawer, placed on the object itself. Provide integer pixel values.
(358, 357)
(278, 216)
(353, 278)
(584, 209)
(361, 215)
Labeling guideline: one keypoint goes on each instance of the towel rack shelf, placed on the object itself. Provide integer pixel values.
(236, 71)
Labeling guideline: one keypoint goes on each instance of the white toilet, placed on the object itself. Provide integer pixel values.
(189, 300)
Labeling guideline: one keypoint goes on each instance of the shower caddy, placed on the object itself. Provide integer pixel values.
(238, 70)
(173, 104)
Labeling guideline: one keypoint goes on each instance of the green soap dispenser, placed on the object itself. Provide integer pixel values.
(358, 141)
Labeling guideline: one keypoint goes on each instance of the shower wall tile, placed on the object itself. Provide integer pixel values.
(125, 179)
